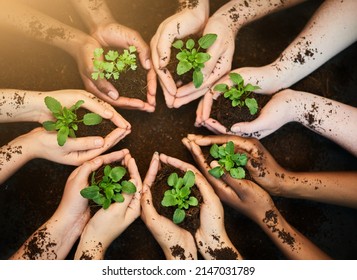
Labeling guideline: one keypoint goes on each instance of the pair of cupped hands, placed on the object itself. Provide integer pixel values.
(243, 195)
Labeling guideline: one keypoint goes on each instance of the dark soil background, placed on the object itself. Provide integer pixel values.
(32, 194)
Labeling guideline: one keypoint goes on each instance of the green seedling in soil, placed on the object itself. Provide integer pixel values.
(179, 195)
(190, 57)
(109, 188)
(66, 123)
(228, 161)
(114, 63)
(239, 93)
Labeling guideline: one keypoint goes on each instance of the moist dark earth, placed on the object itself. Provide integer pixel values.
(31, 195)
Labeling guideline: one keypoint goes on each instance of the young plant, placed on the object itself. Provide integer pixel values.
(179, 195)
(114, 63)
(66, 119)
(190, 57)
(109, 188)
(239, 93)
(228, 161)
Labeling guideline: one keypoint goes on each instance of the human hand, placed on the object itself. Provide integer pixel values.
(112, 34)
(167, 234)
(261, 165)
(107, 224)
(188, 21)
(260, 76)
(220, 63)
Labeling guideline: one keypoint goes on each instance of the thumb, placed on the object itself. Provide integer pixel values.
(257, 128)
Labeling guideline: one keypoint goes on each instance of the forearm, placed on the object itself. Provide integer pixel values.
(38, 26)
(237, 13)
(93, 13)
(291, 242)
(52, 241)
(20, 105)
(202, 5)
(331, 119)
(339, 188)
(331, 29)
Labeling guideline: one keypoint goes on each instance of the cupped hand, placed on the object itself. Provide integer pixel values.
(220, 63)
(180, 25)
(107, 224)
(261, 165)
(166, 233)
(113, 34)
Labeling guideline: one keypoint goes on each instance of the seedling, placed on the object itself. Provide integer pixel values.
(66, 119)
(109, 188)
(190, 57)
(179, 195)
(239, 93)
(114, 63)
(228, 161)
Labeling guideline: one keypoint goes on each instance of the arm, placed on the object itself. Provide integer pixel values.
(107, 224)
(55, 238)
(252, 201)
(226, 23)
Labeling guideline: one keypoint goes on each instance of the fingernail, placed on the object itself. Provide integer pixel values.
(108, 113)
(96, 160)
(98, 142)
(113, 95)
(235, 129)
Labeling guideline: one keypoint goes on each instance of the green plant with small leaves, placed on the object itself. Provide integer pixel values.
(190, 57)
(114, 63)
(239, 93)
(228, 161)
(179, 195)
(67, 121)
(109, 188)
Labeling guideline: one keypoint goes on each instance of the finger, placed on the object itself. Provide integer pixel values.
(84, 143)
(142, 49)
(114, 137)
(164, 42)
(114, 156)
(152, 87)
(82, 172)
(175, 162)
(148, 209)
(215, 126)
(207, 103)
(199, 119)
(106, 88)
(179, 101)
(152, 171)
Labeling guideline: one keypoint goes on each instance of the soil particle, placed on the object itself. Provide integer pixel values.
(178, 251)
(39, 245)
(188, 4)
(7, 151)
(225, 253)
(89, 254)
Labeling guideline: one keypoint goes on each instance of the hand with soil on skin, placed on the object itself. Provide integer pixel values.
(55, 238)
(211, 237)
(334, 187)
(248, 198)
(189, 19)
(107, 224)
(109, 33)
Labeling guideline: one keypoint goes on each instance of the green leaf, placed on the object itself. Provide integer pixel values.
(71, 133)
(197, 78)
(190, 44)
(237, 173)
(62, 135)
(49, 125)
(98, 52)
(128, 187)
(132, 49)
(214, 151)
(230, 148)
(183, 67)
(95, 75)
(206, 41)
(173, 178)
(117, 173)
(109, 193)
(202, 57)
(92, 119)
(53, 105)
(118, 197)
(178, 184)
(178, 44)
(216, 172)
(181, 56)
(100, 199)
(193, 201)
(90, 192)
(169, 200)
(111, 55)
(252, 105)
(107, 203)
(179, 216)
(240, 159)
(221, 87)
(107, 170)
(185, 191)
(250, 87)
(189, 179)
(236, 78)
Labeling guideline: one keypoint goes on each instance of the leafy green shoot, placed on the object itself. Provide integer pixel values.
(66, 123)
(239, 93)
(228, 161)
(109, 188)
(179, 195)
(114, 63)
(190, 57)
